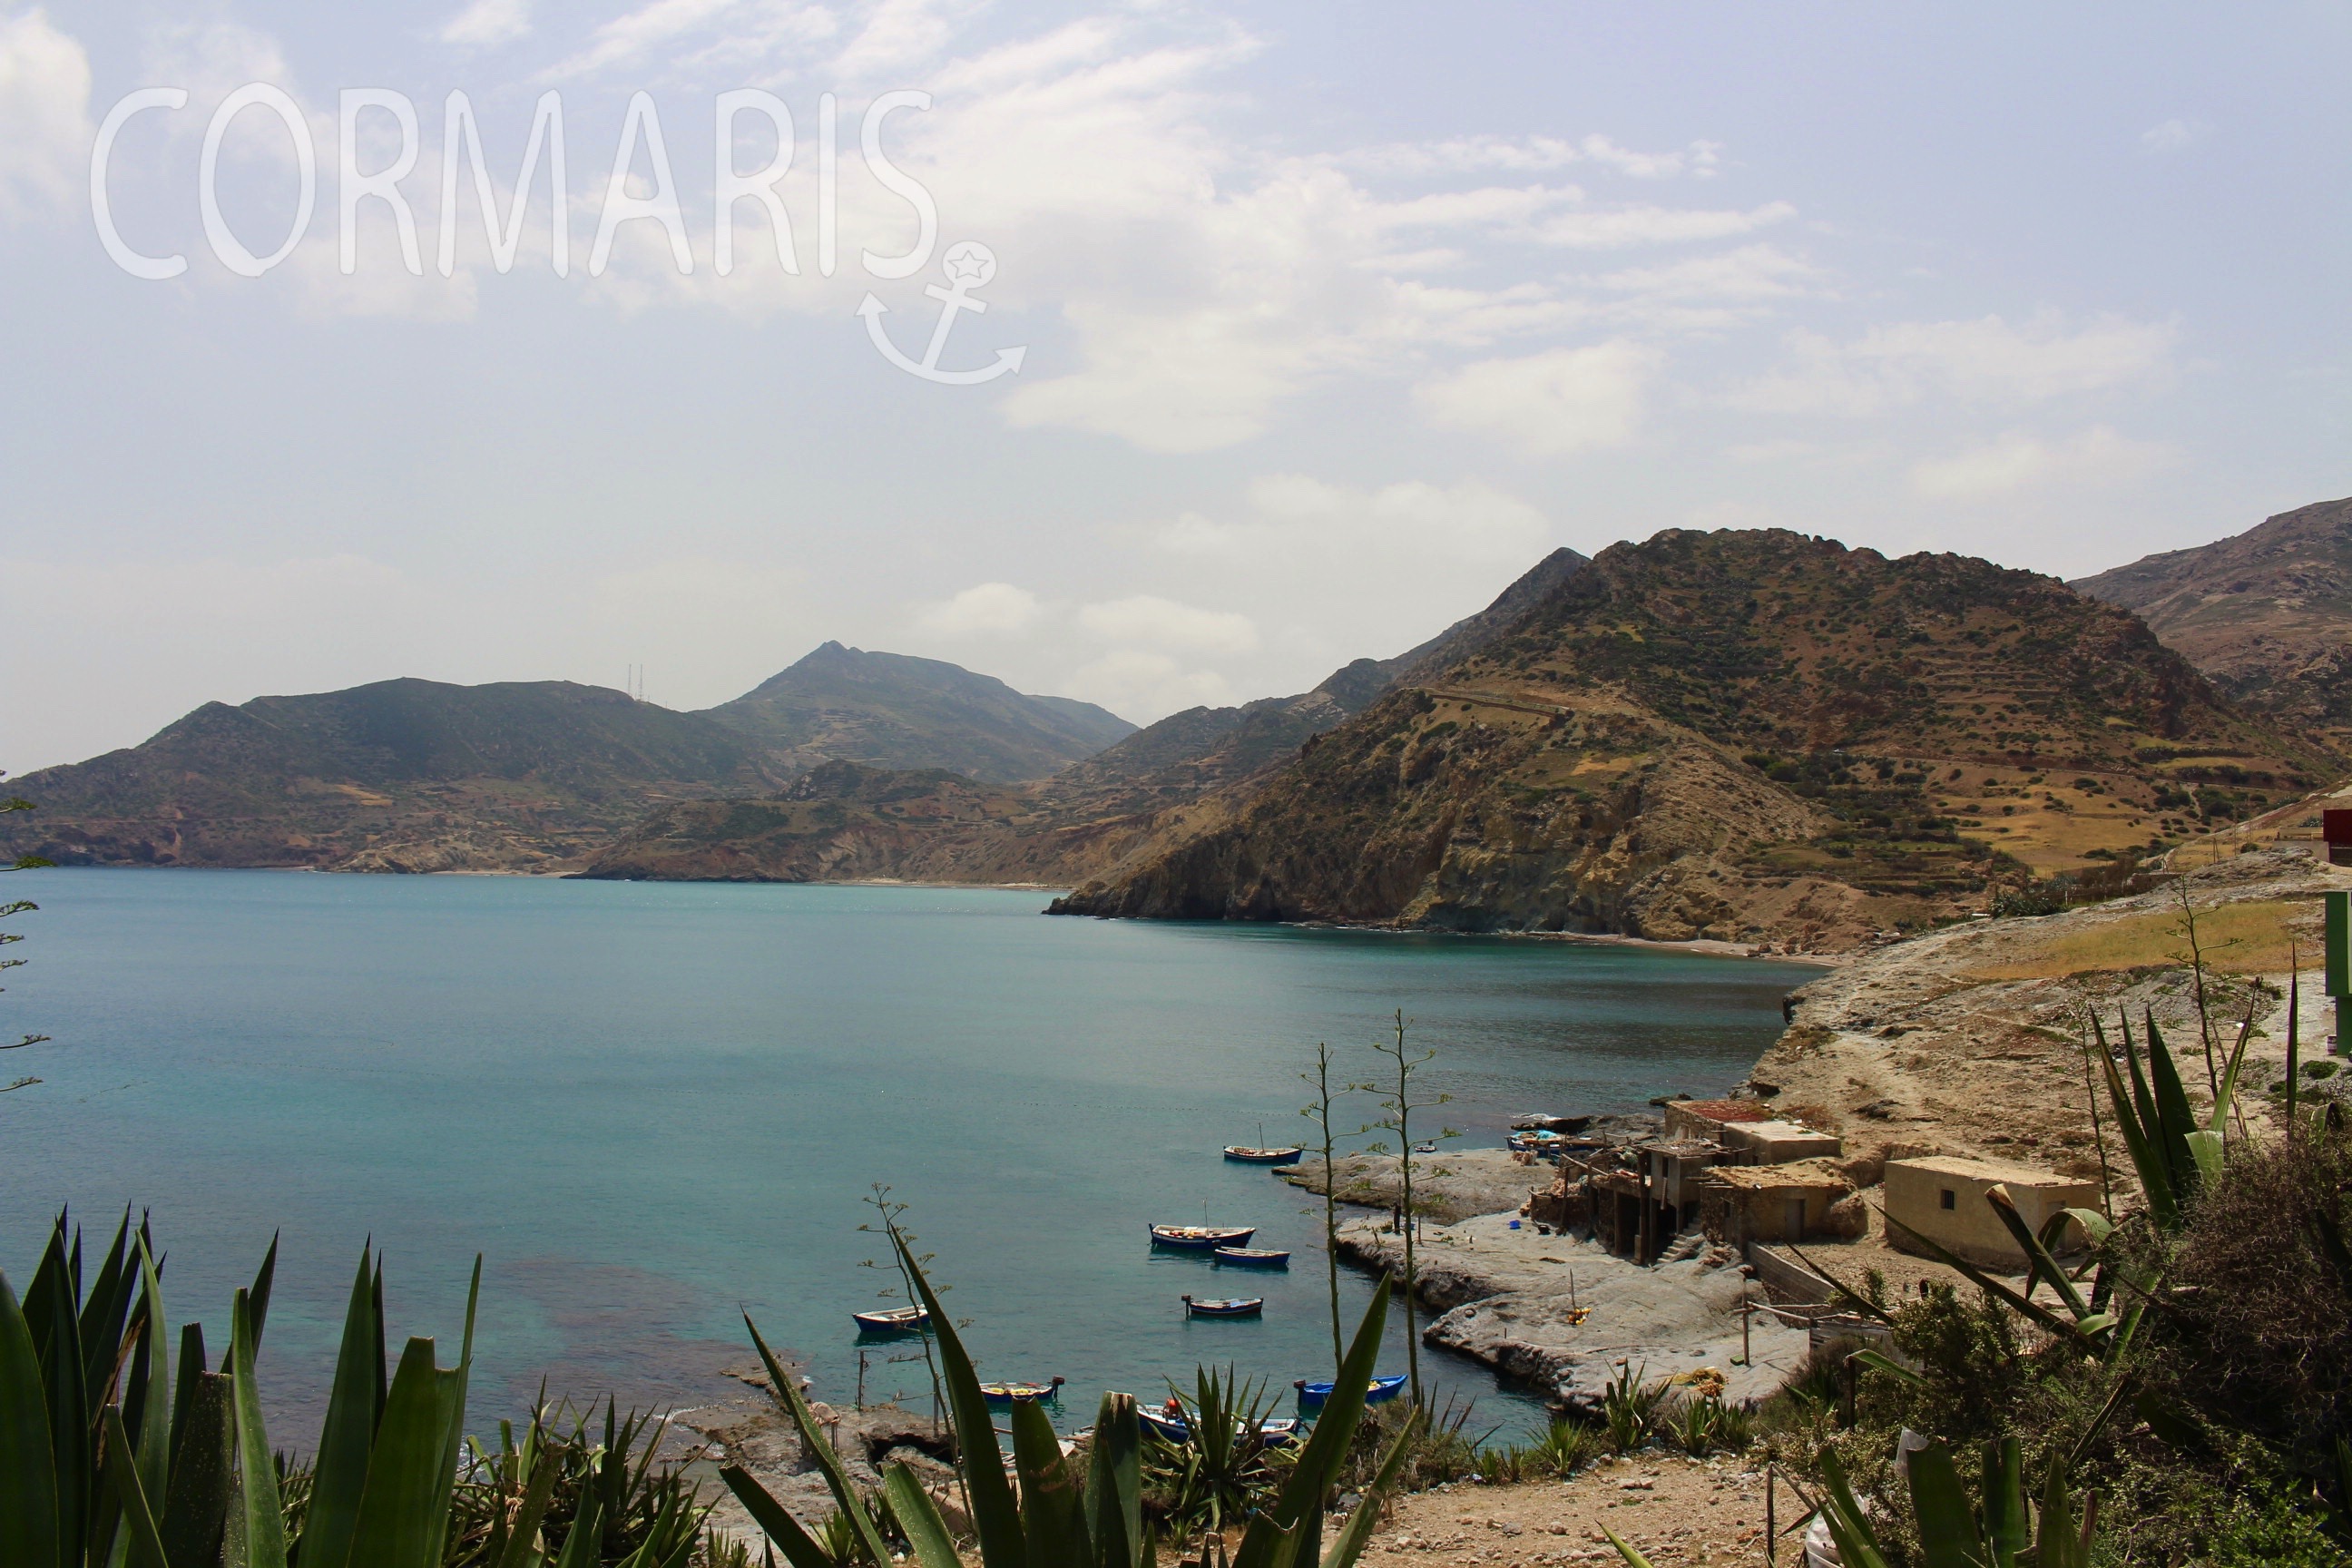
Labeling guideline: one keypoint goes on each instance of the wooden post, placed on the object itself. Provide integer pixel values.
(1772, 1525)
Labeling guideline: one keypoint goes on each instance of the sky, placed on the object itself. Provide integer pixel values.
(1293, 333)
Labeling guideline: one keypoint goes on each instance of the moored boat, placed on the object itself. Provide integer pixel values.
(1248, 1155)
(1202, 1237)
(1273, 1431)
(895, 1321)
(1254, 1257)
(1227, 1306)
(1311, 1396)
(1020, 1392)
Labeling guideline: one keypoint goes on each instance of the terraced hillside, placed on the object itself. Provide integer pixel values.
(1758, 736)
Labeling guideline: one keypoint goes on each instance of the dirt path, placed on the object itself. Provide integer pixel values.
(1676, 1512)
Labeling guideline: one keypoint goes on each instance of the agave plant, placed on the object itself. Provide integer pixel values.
(1629, 1408)
(1204, 1482)
(105, 1459)
(1059, 1519)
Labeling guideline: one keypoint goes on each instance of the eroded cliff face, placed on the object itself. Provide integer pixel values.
(1480, 814)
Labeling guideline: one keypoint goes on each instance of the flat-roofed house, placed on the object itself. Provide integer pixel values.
(1778, 1142)
(1942, 1198)
(1740, 1203)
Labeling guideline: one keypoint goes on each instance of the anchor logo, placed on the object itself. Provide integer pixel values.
(968, 265)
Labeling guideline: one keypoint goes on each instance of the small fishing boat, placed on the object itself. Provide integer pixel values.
(1311, 1396)
(1247, 1155)
(1020, 1392)
(1172, 1428)
(1539, 1140)
(895, 1320)
(1175, 1426)
(1229, 1307)
(1424, 1148)
(1254, 1257)
(1202, 1237)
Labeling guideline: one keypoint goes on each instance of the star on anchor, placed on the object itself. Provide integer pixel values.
(968, 264)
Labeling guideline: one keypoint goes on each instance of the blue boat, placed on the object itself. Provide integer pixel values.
(1202, 1237)
(1311, 1396)
(1253, 1256)
(895, 1321)
(1231, 1306)
(1171, 1428)
(1245, 1154)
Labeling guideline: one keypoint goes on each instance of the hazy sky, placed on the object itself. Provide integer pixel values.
(1334, 318)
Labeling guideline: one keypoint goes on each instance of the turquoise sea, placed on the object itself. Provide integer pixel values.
(650, 1107)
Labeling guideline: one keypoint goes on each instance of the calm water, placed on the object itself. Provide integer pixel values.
(651, 1106)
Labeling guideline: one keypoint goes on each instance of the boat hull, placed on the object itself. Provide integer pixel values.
(1004, 1393)
(1236, 1307)
(1200, 1238)
(1242, 1155)
(1311, 1396)
(1251, 1258)
(899, 1321)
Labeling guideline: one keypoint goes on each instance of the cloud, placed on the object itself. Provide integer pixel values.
(1987, 361)
(1550, 404)
(1625, 227)
(2173, 135)
(44, 127)
(1298, 523)
(980, 609)
(487, 22)
(1531, 154)
(2018, 462)
(1151, 621)
(1133, 681)
(1751, 273)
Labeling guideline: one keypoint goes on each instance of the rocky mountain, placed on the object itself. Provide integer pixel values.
(419, 775)
(1159, 785)
(2266, 614)
(891, 711)
(400, 775)
(1750, 735)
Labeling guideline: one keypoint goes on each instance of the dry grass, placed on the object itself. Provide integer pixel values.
(2257, 937)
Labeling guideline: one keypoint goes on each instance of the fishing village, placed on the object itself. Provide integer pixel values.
(1941, 1115)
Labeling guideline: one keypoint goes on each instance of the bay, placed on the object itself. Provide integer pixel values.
(652, 1108)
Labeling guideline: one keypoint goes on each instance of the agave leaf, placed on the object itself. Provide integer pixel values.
(28, 1487)
(2065, 1328)
(1632, 1558)
(994, 1516)
(2215, 1121)
(2139, 1138)
(2056, 1542)
(1947, 1526)
(2005, 1522)
(197, 1505)
(1053, 1516)
(2172, 1111)
(919, 1517)
(258, 1508)
(150, 1404)
(1857, 1544)
(144, 1540)
(451, 1387)
(836, 1478)
(1879, 1363)
(340, 1476)
(1299, 1509)
(1357, 1532)
(405, 1484)
(521, 1548)
(581, 1546)
(103, 1315)
(1115, 1487)
(800, 1549)
(259, 1304)
(2205, 1152)
(68, 1407)
(2036, 1254)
